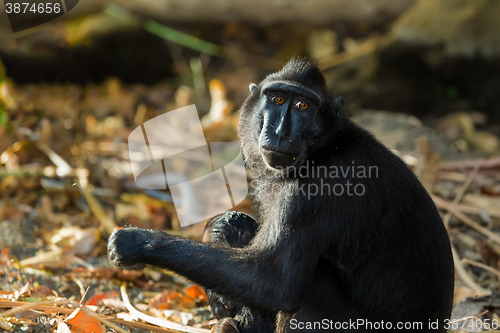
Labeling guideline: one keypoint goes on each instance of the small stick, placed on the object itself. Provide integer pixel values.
(460, 193)
(29, 170)
(482, 162)
(64, 169)
(42, 306)
(157, 321)
(106, 222)
(465, 277)
(101, 319)
(80, 286)
(471, 317)
(476, 211)
(481, 265)
(360, 50)
(443, 204)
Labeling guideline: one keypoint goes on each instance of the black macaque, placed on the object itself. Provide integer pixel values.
(347, 239)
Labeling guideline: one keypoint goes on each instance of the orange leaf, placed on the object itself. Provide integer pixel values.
(96, 299)
(164, 299)
(80, 322)
(195, 292)
(185, 302)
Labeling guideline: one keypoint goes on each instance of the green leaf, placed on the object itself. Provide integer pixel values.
(182, 38)
(3, 117)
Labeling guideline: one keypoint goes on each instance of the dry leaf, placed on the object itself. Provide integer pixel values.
(27, 313)
(428, 163)
(489, 255)
(195, 292)
(80, 322)
(63, 328)
(25, 291)
(493, 190)
(96, 299)
(140, 211)
(75, 240)
(53, 259)
(461, 293)
(482, 201)
(46, 211)
(5, 325)
(106, 273)
(220, 107)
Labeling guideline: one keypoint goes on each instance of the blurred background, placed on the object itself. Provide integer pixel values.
(423, 75)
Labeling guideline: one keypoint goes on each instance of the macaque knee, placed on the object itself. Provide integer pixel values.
(234, 229)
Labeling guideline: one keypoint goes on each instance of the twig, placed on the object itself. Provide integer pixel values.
(42, 306)
(471, 317)
(53, 255)
(480, 265)
(106, 222)
(464, 276)
(79, 261)
(476, 211)
(460, 193)
(360, 50)
(80, 286)
(157, 321)
(28, 171)
(64, 169)
(453, 176)
(443, 204)
(483, 163)
(102, 319)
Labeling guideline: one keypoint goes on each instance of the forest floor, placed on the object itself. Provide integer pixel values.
(66, 180)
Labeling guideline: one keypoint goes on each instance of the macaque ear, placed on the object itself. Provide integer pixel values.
(252, 87)
(339, 104)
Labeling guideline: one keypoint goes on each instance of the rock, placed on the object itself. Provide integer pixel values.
(401, 131)
(461, 27)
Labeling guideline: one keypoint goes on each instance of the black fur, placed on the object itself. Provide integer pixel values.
(235, 229)
(383, 255)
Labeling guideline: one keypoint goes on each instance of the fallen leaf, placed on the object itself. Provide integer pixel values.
(27, 313)
(96, 299)
(428, 163)
(462, 293)
(63, 328)
(80, 322)
(75, 240)
(25, 291)
(106, 273)
(43, 290)
(169, 299)
(5, 325)
(53, 259)
(196, 293)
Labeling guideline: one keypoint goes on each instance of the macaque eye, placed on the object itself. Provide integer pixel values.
(302, 105)
(278, 100)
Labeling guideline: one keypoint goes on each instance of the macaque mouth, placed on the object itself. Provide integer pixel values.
(266, 149)
(278, 158)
